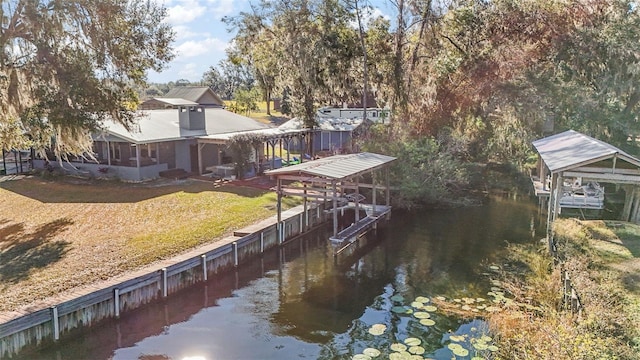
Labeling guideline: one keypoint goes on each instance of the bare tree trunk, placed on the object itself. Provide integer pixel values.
(365, 80)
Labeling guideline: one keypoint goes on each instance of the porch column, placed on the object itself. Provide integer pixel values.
(138, 156)
(200, 166)
(157, 153)
(108, 153)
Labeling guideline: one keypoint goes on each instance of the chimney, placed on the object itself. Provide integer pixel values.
(191, 117)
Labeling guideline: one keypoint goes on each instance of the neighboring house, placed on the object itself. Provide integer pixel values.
(165, 103)
(376, 115)
(163, 140)
(335, 126)
(184, 96)
(202, 95)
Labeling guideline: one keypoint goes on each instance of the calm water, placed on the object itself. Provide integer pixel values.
(297, 303)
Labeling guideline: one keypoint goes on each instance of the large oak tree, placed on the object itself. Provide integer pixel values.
(66, 65)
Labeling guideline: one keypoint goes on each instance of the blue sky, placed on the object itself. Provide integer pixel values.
(201, 36)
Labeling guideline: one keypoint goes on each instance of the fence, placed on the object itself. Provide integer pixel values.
(108, 302)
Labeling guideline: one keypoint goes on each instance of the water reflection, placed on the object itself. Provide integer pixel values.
(296, 302)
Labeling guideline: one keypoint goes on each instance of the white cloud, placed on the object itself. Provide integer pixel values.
(184, 12)
(222, 8)
(193, 48)
(184, 32)
(190, 71)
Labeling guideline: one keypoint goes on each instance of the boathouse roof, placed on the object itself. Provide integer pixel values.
(571, 149)
(337, 166)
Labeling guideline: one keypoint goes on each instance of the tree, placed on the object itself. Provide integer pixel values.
(67, 65)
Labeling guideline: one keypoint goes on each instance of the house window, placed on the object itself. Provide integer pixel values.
(115, 151)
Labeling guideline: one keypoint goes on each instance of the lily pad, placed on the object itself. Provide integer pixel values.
(399, 309)
(412, 342)
(441, 298)
(417, 350)
(478, 358)
(377, 329)
(417, 304)
(454, 346)
(371, 352)
(422, 299)
(427, 322)
(422, 315)
(494, 267)
(429, 308)
(492, 348)
(486, 338)
(462, 352)
(466, 307)
(456, 338)
(480, 346)
(361, 357)
(397, 298)
(398, 347)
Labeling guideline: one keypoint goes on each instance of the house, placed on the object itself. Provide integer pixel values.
(184, 96)
(376, 115)
(162, 140)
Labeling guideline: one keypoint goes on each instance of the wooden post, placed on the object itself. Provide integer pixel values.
(235, 253)
(205, 274)
(549, 213)
(165, 291)
(279, 209)
(116, 302)
(304, 207)
(335, 208)
(629, 193)
(261, 242)
(357, 200)
(374, 191)
(55, 322)
(559, 192)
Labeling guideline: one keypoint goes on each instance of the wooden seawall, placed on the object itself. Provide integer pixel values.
(85, 307)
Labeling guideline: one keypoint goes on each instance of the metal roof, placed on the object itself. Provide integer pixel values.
(193, 93)
(164, 125)
(337, 166)
(572, 149)
(268, 132)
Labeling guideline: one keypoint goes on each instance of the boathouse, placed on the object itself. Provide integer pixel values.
(570, 167)
(340, 180)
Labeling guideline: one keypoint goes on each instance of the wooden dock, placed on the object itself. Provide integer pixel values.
(349, 235)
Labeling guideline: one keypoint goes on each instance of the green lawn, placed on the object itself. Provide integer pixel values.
(57, 235)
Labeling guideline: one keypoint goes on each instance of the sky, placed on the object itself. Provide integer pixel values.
(201, 36)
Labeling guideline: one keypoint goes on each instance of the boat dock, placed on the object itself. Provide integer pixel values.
(349, 235)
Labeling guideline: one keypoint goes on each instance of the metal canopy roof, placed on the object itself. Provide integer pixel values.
(572, 149)
(337, 166)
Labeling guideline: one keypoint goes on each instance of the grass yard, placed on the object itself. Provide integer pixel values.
(603, 259)
(276, 117)
(58, 235)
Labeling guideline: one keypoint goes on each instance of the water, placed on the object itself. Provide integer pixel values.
(297, 303)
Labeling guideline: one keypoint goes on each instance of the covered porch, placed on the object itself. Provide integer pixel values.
(214, 158)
